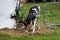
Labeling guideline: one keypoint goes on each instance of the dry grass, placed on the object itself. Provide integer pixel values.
(17, 32)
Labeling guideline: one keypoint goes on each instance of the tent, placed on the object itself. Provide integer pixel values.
(7, 8)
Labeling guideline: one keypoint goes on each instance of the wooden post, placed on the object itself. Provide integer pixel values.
(25, 4)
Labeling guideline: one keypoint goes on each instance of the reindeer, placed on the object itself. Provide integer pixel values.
(32, 16)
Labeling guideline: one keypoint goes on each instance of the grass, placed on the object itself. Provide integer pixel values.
(47, 36)
(53, 13)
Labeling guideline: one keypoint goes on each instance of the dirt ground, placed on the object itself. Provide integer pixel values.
(18, 32)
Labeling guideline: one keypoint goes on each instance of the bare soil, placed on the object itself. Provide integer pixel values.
(18, 32)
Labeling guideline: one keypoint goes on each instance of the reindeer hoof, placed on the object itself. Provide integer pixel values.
(26, 30)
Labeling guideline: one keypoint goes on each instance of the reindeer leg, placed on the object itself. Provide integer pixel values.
(33, 27)
(26, 29)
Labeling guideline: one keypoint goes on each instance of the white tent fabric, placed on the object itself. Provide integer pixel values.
(7, 7)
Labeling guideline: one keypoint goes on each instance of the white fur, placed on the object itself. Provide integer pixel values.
(33, 27)
(35, 9)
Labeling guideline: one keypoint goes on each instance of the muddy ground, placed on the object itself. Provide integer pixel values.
(18, 32)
